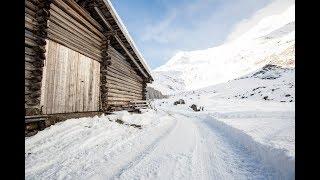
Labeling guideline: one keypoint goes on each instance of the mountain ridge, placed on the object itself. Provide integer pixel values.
(271, 41)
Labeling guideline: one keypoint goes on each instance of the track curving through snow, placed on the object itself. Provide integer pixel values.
(182, 145)
(196, 150)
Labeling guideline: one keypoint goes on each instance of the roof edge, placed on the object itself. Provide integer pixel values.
(128, 36)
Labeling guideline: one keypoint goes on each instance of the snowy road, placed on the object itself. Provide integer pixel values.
(195, 150)
(182, 146)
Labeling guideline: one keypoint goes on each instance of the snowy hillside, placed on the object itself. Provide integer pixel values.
(270, 83)
(271, 41)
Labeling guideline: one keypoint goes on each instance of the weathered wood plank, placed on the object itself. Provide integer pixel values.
(78, 9)
(64, 7)
(68, 23)
(72, 45)
(92, 47)
(68, 81)
(67, 19)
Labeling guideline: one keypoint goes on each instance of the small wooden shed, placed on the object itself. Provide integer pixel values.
(79, 57)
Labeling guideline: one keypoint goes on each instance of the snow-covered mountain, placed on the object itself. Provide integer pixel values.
(270, 83)
(271, 41)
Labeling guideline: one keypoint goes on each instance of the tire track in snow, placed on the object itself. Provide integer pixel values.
(172, 158)
(217, 156)
(147, 151)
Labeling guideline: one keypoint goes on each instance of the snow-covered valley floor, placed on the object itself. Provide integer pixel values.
(174, 143)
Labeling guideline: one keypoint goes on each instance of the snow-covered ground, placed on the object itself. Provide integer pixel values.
(232, 138)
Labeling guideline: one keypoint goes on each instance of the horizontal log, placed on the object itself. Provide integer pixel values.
(123, 96)
(92, 48)
(29, 11)
(123, 78)
(34, 2)
(29, 51)
(33, 87)
(119, 99)
(124, 92)
(34, 58)
(29, 101)
(121, 58)
(38, 40)
(118, 103)
(30, 42)
(129, 93)
(29, 76)
(67, 24)
(72, 45)
(29, 66)
(83, 13)
(117, 70)
(31, 6)
(31, 94)
(64, 7)
(122, 61)
(43, 13)
(75, 32)
(124, 74)
(121, 87)
(29, 26)
(112, 79)
(120, 66)
(57, 15)
(30, 19)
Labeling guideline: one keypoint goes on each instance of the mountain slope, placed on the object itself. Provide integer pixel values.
(271, 41)
(270, 83)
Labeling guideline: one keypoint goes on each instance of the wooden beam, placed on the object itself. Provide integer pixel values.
(119, 41)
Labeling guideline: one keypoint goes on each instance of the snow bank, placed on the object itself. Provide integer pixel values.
(277, 159)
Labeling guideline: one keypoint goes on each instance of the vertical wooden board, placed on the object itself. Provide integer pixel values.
(78, 81)
(59, 106)
(56, 82)
(73, 57)
(71, 81)
(89, 83)
(86, 72)
(89, 88)
(52, 55)
(77, 101)
(44, 84)
(66, 84)
(81, 75)
(96, 85)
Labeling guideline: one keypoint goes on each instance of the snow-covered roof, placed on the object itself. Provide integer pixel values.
(127, 35)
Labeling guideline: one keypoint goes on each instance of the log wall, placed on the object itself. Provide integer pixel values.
(70, 65)
(123, 82)
(74, 28)
(36, 15)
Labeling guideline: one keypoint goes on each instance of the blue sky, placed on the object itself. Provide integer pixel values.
(160, 28)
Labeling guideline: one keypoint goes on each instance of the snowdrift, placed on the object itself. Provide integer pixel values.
(277, 159)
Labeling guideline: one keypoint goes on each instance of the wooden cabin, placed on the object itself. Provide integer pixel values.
(79, 57)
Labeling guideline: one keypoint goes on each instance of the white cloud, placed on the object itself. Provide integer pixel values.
(155, 32)
(276, 7)
(201, 24)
